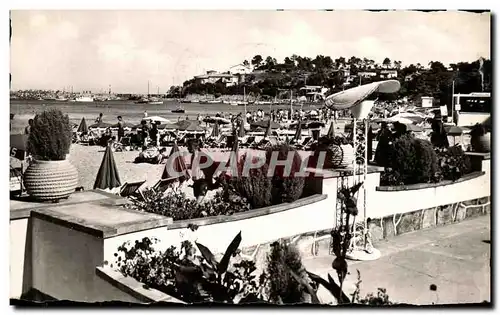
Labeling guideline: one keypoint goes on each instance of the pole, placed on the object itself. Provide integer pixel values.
(291, 105)
(453, 110)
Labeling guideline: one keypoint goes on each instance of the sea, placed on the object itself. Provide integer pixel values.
(130, 112)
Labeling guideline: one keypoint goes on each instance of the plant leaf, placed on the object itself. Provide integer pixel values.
(330, 286)
(314, 297)
(231, 249)
(207, 254)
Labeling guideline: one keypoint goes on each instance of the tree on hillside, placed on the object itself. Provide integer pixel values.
(257, 60)
(437, 66)
(387, 62)
(340, 62)
(246, 63)
(397, 64)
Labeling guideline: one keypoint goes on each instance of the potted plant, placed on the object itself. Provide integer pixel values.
(50, 176)
(339, 152)
(480, 139)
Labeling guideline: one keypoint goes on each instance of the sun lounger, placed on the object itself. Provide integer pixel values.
(163, 184)
(131, 190)
(307, 141)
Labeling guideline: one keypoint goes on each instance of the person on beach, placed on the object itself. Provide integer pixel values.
(121, 130)
(153, 134)
(384, 138)
(98, 120)
(27, 130)
(145, 114)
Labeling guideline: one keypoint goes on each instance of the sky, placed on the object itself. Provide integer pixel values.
(90, 50)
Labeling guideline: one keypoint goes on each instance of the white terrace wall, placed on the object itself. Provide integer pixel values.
(300, 218)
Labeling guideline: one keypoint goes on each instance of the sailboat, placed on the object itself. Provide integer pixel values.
(150, 100)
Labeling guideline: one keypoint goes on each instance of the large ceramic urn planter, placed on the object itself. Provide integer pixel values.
(336, 156)
(482, 143)
(50, 180)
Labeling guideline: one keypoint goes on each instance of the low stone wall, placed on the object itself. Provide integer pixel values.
(396, 224)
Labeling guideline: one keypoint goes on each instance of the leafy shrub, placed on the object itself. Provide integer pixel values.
(453, 162)
(50, 136)
(255, 187)
(176, 205)
(410, 161)
(283, 287)
(189, 276)
(290, 187)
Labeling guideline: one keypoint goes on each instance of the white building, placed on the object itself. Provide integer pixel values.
(388, 74)
(213, 77)
(240, 69)
(367, 74)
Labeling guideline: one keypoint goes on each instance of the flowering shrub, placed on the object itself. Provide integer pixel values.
(176, 205)
(453, 162)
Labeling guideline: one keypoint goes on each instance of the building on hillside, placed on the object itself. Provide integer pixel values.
(213, 76)
(367, 74)
(388, 73)
(240, 69)
(410, 77)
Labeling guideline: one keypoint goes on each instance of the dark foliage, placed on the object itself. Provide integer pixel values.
(283, 287)
(453, 163)
(410, 161)
(255, 187)
(176, 205)
(189, 276)
(286, 187)
(50, 136)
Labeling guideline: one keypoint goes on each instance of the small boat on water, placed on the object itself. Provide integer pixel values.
(84, 99)
(179, 110)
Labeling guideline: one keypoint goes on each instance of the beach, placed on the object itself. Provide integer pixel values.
(131, 112)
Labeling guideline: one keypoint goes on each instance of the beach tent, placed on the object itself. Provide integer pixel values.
(176, 164)
(107, 176)
(83, 126)
(18, 146)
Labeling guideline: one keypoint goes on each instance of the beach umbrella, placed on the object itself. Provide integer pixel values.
(107, 176)
(157, 119)
(268, 129)
(100, 125)
(83, 126)
(265, 124)
(298, 131)
(314, 124)
(241, 131)
(217, 120)
(18, 146)
(177, 164)
(215, 131)
(331, 130)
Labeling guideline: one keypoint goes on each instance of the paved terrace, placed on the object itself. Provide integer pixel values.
(456, 258)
